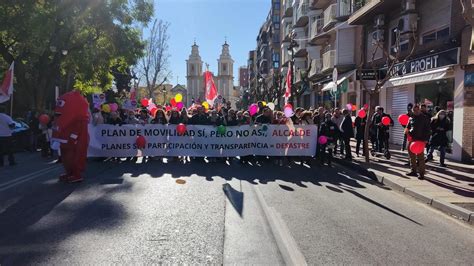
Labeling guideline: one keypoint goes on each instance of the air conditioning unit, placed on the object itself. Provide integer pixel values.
(408, 5)
(408, 23)
(377, 36)
(379, 21)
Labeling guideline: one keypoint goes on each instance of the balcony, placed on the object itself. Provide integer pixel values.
(316, 67)
(364, 12)
(298, 76)
(287, 8)
(300, 51)
(344, 9)
(317, 28)
(329, 59)
(320, 4)
(330, 17)
(302, 14)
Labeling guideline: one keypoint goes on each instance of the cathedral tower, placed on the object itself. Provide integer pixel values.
(194, 76)
(225, 77)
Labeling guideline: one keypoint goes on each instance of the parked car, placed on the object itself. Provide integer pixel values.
(21, 136)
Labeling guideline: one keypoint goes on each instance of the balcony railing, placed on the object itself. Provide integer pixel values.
(316, 67)
(344, 8)
(317, 27)
(329, 58)
(302, 11)
(330, 15)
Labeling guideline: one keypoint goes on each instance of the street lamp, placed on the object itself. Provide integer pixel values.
(291, 49)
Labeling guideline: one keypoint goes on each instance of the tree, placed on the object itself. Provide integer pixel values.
(56, 41)
(154, 63)
(393, 60)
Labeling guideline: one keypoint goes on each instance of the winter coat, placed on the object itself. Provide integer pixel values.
(360, 127)
(438, 129)
(346, 127)
(419, 127)
(330, 130)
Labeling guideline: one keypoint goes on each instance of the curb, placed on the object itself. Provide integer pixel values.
(446, 207)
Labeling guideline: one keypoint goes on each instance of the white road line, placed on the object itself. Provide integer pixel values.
(27, 177)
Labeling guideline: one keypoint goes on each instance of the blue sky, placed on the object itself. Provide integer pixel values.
(210, 21)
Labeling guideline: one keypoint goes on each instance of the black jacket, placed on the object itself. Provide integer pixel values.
(346, 127)
(438, 129)
(360, 127)
(419, 127)
(262, 119)
(198, 119)
(330, 130)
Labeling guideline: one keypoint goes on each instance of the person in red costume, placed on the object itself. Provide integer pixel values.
(72, 118)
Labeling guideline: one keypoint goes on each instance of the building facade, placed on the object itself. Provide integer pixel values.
(432, 42)
(224, 80)
(243, 77)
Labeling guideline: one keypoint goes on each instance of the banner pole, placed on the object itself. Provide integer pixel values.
(11, 105)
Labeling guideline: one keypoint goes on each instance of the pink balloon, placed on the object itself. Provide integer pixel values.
(113, 107)
(322, 140)
(362, 113)
(288, 112)
(179, 105)
(349, 107)
(253, 109)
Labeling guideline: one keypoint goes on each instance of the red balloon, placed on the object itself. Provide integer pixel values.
(409, 138)
(362, 113)
(144, 102)
(168, 108)
(153, 111)
(385, 121)
(417, 147)
(141, 142)
(403, 119)
(173, 102)
(366, 106)
(181, 129)
(44, 119)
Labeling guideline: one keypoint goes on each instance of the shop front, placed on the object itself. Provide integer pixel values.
(431, 80)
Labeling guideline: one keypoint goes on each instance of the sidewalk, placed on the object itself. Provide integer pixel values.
(449, 189)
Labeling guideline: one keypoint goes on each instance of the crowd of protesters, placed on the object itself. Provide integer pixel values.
(340, 126)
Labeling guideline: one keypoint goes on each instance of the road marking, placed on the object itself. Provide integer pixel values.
(285, 241)
(25, 178)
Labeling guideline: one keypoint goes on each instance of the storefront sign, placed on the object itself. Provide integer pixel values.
(370, 74)
(469, 79)
(426, 63)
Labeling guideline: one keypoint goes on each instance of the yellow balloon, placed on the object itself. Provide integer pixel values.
(205, 105)
(264, 103)
(106, 108)
(178, 98)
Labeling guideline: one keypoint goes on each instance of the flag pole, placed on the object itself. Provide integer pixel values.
(11, 106)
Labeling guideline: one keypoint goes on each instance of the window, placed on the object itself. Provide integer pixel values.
(276, 18)
(277, 26)
(276, 38)
(435, 35)
(224, 67)
(276, 57)
(276, 64)
(403, 44)
(276, 6)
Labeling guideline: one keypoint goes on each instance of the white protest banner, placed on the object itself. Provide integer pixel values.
(200, 141)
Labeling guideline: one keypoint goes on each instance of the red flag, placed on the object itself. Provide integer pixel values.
(288, 83)
(7, 85)
(211, 91)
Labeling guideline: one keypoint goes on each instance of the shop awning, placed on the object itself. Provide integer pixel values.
(419, 77)
(342, 78)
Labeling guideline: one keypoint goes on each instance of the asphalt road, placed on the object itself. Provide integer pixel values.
(216, 213)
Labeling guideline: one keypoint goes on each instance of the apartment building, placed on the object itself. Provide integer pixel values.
(325, 41)
(431, 43)
(267, 54)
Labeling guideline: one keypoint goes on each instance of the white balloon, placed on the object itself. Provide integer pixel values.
(271, 106)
